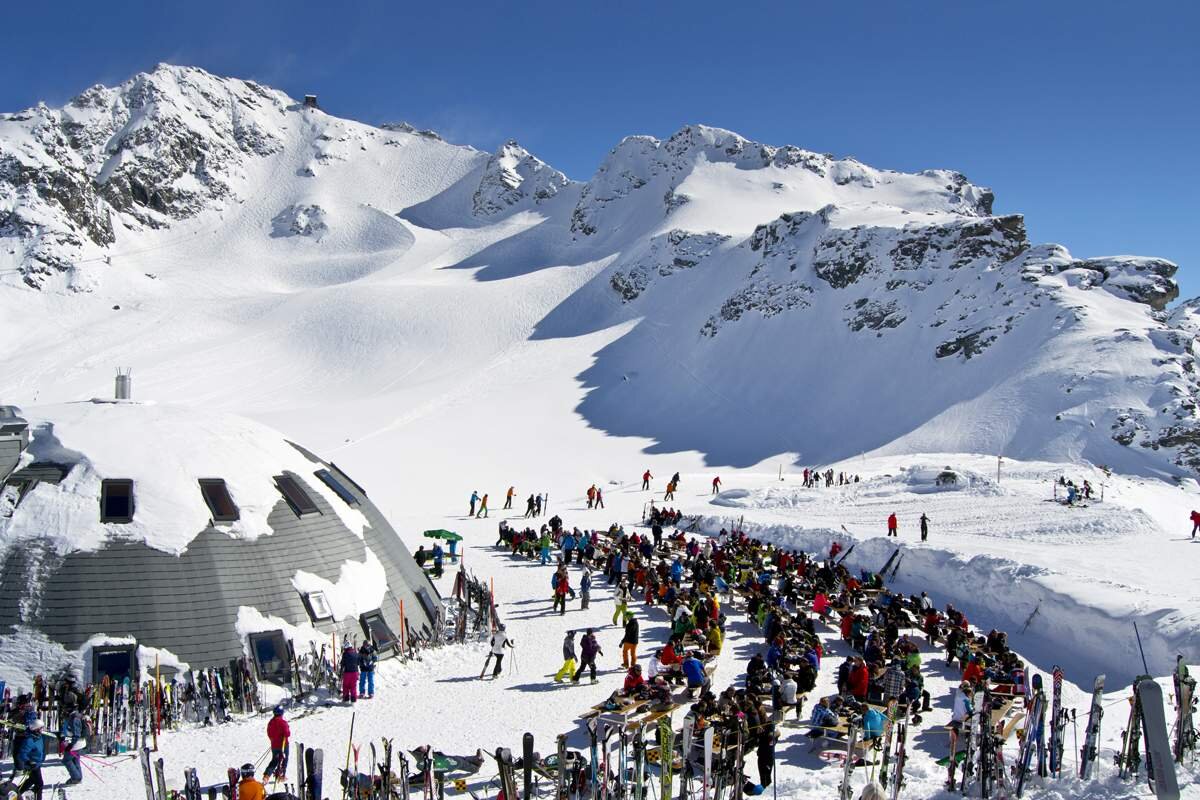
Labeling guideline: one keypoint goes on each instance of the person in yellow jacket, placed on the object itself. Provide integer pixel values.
(249, 788)
(568, 667)
(713, 637)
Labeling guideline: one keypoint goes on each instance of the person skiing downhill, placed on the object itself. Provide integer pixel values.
(892, 525)
(646, 476)
(278, 733)
(924, 526)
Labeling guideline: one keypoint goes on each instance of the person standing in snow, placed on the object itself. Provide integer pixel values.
(278, 734)
(1195, 523)
(621, 598)
(29, 751)
(568, 650)
(538, 506)
(561, 587)
(599, 498)
(670, 493)
(482, 507)
(589, 649)
(585, 588)
(892, 525)
(72, 743)
(474, 500)
(499, 641)
(646, 476)
(717, 485)
(591, 495)
(508, 498)
(350, 673)
(924, 526)
(529, 507)
(629, 642)
(675, 479)
(367, 656)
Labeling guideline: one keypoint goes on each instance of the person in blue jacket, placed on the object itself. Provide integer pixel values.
(872, 724)
(71, 734)
(568, 547)
(31, 752)
(693, 670)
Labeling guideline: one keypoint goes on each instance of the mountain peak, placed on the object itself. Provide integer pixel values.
(514, 176)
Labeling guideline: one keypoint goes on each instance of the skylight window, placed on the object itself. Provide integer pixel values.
(333, 483)
(116, 500)
(293, 491)
(216, 495)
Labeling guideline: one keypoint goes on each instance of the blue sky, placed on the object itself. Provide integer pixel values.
(1084, 116)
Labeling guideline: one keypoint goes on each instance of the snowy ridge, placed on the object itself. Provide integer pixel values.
(347, 245)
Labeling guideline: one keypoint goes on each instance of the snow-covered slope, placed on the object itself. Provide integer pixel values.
(814, 305)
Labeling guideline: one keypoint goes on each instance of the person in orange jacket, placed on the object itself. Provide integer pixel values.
(248, 788)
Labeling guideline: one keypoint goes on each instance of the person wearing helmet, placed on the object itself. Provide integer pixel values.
(31, 751)
(248, 788)
(278, 732)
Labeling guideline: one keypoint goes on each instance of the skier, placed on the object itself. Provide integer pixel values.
(537, 506)
(474, 500)
(499, 641)
(529, 507)
(1195, 523)
(670, 494)
(350, 673)
(248, 788)
(367, 656)
(568, 650)
(716, 485)
(892, 525)
(482, 507)
(675, 479)
(629, 642)
(599, 498)
(278, 733)
(924, 526)
(589, 649)
(646, 476)
(591, 495)
(508, 498)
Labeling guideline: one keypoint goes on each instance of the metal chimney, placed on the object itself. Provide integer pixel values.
(124, 390)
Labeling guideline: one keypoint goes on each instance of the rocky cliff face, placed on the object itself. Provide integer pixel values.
(514, 177)
(162, 147)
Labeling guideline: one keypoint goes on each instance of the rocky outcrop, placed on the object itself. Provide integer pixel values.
(670, 253)
(514, 177)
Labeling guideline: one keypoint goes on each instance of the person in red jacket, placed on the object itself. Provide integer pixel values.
(279, 733)
(847, 625)
(860, 679)
(669, 656)
(973, 672)
(633, 679)
(892, 525)
(1195, 523)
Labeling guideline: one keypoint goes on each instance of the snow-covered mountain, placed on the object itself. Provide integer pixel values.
(728, 297)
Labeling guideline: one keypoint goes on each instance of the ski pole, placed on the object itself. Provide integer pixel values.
(349, 748)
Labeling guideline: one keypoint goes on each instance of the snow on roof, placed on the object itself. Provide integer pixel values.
(164, 450)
